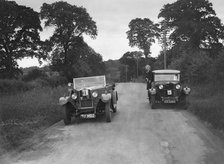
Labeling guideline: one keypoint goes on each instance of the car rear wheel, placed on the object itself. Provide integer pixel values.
(114, 102)
(107, 112)
(67, 114)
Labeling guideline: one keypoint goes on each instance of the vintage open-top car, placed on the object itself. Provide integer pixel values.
(89, 97)
(167, 89)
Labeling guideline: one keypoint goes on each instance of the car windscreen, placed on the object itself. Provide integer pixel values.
(166, 77)
(86, 82)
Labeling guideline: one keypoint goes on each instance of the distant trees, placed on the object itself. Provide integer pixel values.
(19, 36)
(133, 65)
(142, 34)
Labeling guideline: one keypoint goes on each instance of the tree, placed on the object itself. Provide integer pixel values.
(82, 61)
(19, 36)
(142, 34)
(193, 22)
(70, 22)
(194, 66)
(133, 65)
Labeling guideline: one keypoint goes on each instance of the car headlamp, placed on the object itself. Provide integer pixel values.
(152, 91)
(187, 90)
(69, 87)
(74, 96)
(94, 94)
(161, 86)
(178, 86)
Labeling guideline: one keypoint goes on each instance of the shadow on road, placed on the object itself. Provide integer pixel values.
(99, 119)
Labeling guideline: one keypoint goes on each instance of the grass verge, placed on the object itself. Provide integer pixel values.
(24, 113)
(207, 103)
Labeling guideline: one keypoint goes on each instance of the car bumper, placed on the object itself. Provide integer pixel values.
(169, 100)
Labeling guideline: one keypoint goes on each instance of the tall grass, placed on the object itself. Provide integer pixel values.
(207, 103)
(23, 113)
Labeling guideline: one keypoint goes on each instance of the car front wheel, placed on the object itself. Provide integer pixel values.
(185, 104)
(152, 102)
(67, 114)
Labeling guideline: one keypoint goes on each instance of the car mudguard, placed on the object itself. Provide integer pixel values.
(65, 100)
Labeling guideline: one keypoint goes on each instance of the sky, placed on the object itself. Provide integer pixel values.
(112, 18)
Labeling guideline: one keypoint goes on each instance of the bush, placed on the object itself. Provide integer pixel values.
(217, 68)
(194, 66)
(56, 80)
(13, 86)
(34, 74)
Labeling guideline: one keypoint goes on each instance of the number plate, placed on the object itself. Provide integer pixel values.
(88, 115)
(169, 101)
(169, 92)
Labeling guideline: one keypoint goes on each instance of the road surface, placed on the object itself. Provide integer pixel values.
(136, 135)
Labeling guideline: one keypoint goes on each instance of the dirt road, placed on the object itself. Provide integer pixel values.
(136, 135)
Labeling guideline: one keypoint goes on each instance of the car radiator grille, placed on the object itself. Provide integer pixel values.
(86, 103)
(164, 93)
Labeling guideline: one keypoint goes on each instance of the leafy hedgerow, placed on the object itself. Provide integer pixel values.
(23, 113)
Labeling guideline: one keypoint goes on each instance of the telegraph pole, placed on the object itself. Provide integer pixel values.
(137, 56)
(137, 67)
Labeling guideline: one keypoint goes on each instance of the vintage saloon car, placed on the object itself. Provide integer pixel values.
(167, 89)
(89, 97)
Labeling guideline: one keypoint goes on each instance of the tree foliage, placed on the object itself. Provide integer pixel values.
(82, 61)
(19, 36)
(194, 22)
(133, 65)
(217, 74)
(195, 66)
(142, 34)
(69, 22)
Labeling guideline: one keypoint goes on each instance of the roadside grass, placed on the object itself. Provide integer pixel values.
(207, 103)
(24, 113)
(13, 86)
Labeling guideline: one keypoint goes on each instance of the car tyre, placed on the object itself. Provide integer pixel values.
(185, 104)
(107, 112)
(152, 102)
(114, 102)
(67, 114)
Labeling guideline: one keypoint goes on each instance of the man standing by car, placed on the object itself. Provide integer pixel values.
(149, 78)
